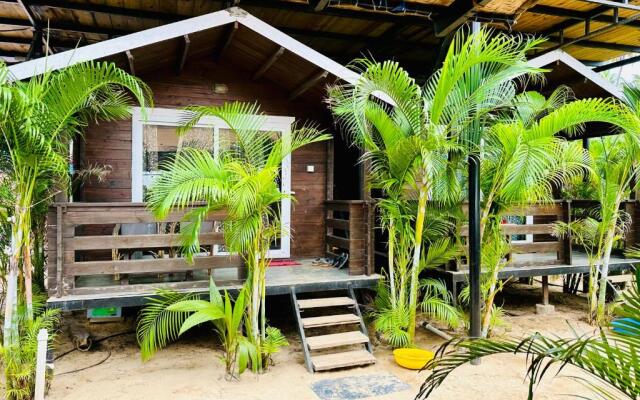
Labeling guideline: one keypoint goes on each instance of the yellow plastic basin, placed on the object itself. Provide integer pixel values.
(412, 358)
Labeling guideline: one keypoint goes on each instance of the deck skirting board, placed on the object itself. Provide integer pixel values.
(136, 299)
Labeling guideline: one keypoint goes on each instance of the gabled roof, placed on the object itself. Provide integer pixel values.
(177, 30)
(599, 85)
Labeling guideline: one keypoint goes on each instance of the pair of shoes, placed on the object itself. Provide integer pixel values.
(341, 261)
(323, 261)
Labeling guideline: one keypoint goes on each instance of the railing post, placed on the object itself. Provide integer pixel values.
(566, 247)
(59, 251)
(357, 238)
(370, 212)
(41, 364)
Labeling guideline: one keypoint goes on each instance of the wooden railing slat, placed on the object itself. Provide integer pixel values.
(137, 241)
(150, 265)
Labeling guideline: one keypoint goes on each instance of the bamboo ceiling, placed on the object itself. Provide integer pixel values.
(594, 31)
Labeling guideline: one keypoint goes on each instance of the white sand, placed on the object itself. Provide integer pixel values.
(190, 369)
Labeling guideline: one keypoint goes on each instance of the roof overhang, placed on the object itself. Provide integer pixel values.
(127, 43)
(592, 83)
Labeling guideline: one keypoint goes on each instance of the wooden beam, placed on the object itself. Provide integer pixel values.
(231, 32)
(627, 48)
(185, 52)
(456, 15)
(111, 10)
(308, 84)
(614, 4)
(30, 15)
(449, 21)
(617, 64)
(351, 13)
(598, 14)
(130, 59)
(319, 5)
(269, 63)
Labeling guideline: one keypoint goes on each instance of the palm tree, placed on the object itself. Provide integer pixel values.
(611, 356)
(414, 138)
(241, 180)
(38, 118)
(523, 157)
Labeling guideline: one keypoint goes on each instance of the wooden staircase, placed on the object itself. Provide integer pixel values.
(349, 348)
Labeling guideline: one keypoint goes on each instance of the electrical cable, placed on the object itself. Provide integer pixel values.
(90, 366)
(59, 356)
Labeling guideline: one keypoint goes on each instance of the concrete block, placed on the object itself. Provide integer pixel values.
(544, 309)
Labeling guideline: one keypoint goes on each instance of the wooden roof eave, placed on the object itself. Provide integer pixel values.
(560, 55)
(178, 29)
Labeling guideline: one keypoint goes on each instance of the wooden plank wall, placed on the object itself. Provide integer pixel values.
(110, 143)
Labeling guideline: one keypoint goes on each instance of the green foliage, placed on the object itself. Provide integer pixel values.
(38, 119)
(169, 315)
(274, 341)
(415, 140)
(610, 356)
(19, 359)
(243, 181)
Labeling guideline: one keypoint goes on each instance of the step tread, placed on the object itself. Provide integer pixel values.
(326, 302)
(336, 340)
(330, 320)
(341, 360)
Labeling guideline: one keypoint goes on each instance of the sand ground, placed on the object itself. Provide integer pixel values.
(191, 370)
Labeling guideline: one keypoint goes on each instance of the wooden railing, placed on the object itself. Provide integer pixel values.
(538, 239)
(121, 240)
(348, 231)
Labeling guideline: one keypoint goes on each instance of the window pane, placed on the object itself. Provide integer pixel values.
(161, 143)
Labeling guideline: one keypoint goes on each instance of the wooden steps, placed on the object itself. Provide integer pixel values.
(336, 340)
(326, 302)
(330, 320)
(345, 359)
(339, 349)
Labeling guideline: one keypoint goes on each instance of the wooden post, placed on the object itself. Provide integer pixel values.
(545, 290)
(59, 251)
(566, 246)
(41, 364)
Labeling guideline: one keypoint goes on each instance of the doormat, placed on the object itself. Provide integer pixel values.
(358, 387)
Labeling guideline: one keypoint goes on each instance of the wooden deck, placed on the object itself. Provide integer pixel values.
(533, 265)
(305, 277)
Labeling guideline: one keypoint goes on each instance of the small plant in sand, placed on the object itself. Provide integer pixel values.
(170, 314)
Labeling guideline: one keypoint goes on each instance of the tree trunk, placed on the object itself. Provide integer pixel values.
(392, 280)
(415, 267)
(10, 328)
(604, 274)
(27, 269)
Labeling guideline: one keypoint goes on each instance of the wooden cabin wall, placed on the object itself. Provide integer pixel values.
(110, 143)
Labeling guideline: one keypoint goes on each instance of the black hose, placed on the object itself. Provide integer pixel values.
(90, 366)
(95, 341)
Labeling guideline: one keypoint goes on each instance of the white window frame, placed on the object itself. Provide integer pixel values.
(172, 117)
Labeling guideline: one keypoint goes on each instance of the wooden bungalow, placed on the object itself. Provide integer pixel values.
(225, 56)
(105, 249)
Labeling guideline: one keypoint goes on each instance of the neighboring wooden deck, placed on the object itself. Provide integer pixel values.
(305, 277)
(531, 265)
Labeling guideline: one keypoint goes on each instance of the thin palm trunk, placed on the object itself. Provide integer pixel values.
(415, 266)
(604, 274)
(391, 257)
(27, 267)
(10, 328)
